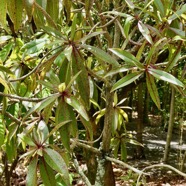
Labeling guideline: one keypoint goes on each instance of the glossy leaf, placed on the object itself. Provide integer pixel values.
(127, 57)
(116, 71)
(152, 89)
(56, 162)
(15, 9)
(78, 107)
(101, 55)
(35, 46)
(126, 80)
(162, 75)
(47, 174)
(5, 52)
(145, 32)
(31, 178)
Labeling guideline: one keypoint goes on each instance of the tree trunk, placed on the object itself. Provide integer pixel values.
(170, 127)
(105, 175)
(140, 151)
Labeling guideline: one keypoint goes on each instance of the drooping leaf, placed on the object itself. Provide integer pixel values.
(162, 75)
(123, 150)
(64, 113)
(127, 57)
(31, 178)
(101, 55)
(77, 106)
(3, 10)
(29, 7)
(82, 79)
(126, 80)
(160, 7)
(47, 174)
(52, 9)
(56, 162)
(115, 120)
(151, 86)
(145, 32)
(15, 10)
(67, 6)
(41, 105)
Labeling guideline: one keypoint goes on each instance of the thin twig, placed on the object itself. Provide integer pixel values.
(22, 98)
(11, 117)
(34, 69)
(81, 173)
(125, 165)
(160, 165)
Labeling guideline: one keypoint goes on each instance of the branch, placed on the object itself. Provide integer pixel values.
(34, 69)
(160, 165)
(81, 173)
(125, 165)
(88, 147)
(22, 98)
(11, 117)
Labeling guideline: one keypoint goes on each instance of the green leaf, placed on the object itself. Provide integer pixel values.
(15, 10)
(47, 174)
(64, 113)
(115, 120)
(41, 105)
(177, 14)
(127, 26)
(57, 127)
(82, 80)
(116, 71)
(52, 9)
(160, 7)
(126, 80)
(77, 106)
(73, 27)
(31, 178)
(123, 150)
(35, 46)
(127, 57)
(56, 162)
(3, 10)
(93, 34)
(145, 32)
(151, 86)
(101, 55)
(2, 133)
(67, 5)
(5, 52)
(29, 7)
(162, 75)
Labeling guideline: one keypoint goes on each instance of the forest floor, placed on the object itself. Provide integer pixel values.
(154, 139)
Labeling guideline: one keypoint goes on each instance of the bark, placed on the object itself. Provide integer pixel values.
(140, 151)
(105, 175)
(170, 127)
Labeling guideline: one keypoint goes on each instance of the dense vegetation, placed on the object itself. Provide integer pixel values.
(73, 72)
